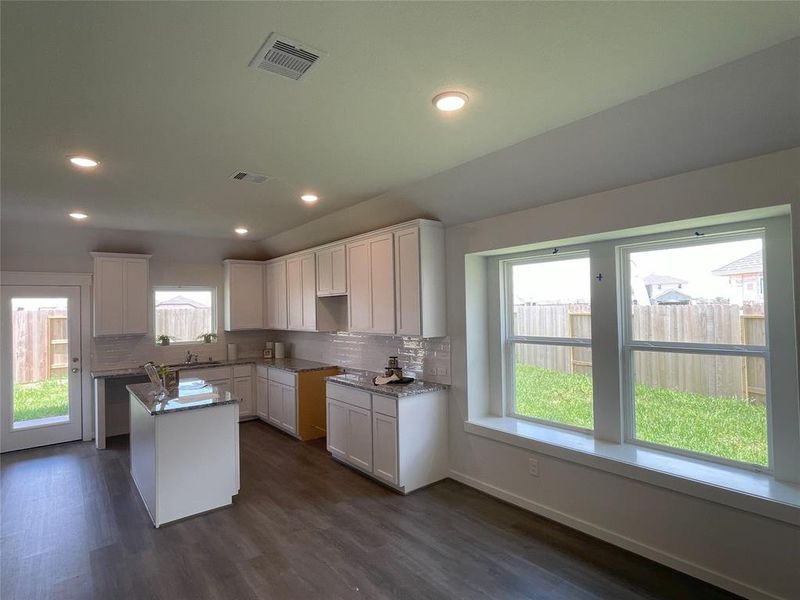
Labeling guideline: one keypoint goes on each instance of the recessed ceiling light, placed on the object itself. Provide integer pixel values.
(78, 216)
(450, 101)
(83, 161)
(309, 198)
(240, 230)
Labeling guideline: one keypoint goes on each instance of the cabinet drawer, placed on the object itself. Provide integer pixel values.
(284, 377)
(384, 405)
(349, 395)
(213, 374)
(242, 370)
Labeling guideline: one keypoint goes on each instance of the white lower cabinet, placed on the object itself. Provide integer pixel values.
(401, 442)
(289, 414)
(262, 398)
(384, 455)
(243, 389)
(282, 405)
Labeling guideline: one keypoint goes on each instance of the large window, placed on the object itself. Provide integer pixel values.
(548, 347)
(694, 346)
(184, 314)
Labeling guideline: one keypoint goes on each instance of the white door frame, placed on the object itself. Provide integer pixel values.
(84, 281)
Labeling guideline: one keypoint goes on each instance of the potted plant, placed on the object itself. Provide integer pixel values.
(163, 340)
(207, 337)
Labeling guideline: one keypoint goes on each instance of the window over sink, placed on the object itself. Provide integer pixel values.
(184, 315)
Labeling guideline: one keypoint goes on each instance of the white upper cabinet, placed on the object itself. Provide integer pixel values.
(276, 294)
(121, 291)
(370, 281)
(244, 295)
(301, 292)
(331, 271)
(419, 280)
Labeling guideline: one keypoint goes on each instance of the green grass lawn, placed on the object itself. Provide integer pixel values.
(728, 427)
(46, 398)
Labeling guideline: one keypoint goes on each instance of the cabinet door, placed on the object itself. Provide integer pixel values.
(289, 414)
(244, 296)
(224, 385)
(276, 294)
(359, 437)
(337, 428)
(243, 389)
(359, 299)
(294, 287)
(262, 398)
(407, 281)
(338, 270)
(384, 439)
(108, 294)
(308, 293)
(324, 271)
(275, 395)
(136, 293)
(381, 265)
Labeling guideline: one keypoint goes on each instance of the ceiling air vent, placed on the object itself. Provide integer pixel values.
(285, 57)
(249, 177)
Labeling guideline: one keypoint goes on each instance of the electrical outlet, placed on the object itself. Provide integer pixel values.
(533, 467)
(441, 371)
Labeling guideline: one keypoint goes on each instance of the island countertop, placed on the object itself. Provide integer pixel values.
(363, 381)
(192, 394)
(293, 365)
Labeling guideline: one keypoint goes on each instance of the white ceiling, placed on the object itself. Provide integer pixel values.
(161, 93)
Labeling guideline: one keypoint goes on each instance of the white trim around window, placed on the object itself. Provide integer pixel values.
(613, 386)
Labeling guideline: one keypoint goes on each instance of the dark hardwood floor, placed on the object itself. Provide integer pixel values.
(303, 526)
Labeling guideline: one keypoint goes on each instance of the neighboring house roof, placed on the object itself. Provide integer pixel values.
(655, 279)
(752, 263)
(182, 301)
(672, 297)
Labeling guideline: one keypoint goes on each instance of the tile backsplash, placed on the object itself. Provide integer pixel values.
(427, 359)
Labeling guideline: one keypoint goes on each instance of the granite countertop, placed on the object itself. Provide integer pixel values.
(363, 380)
(294, 365)
(191, 395)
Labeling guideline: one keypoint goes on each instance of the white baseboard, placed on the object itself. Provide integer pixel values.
(670, 560)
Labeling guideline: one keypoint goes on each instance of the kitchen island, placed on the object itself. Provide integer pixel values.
(184, 449)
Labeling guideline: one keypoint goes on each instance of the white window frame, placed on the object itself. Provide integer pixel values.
(629, 345)
(186, 288)
(510, 339)
(612, 388)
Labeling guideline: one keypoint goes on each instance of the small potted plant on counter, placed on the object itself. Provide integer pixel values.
(163, 340)
(207, 337)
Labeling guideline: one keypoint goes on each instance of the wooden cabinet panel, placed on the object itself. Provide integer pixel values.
(331, 271)
(308, 295)
(294, 292)
(262, 398)
(407, 281)
(385, 451)
(289, 412)
(359, 307)
(243, 389)
(275, 395)
(244, 295)
(276, 295)
(337, 428)
(137, 294)
(382, 283)
(359, 438)
(121, 293)
(338, 270)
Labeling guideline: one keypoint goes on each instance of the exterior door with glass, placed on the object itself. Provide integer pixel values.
(40, 391)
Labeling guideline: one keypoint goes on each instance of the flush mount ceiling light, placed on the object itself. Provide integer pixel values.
(450, 101)
(78, 216)
(241, 230)
(84, 162)
(309, 198)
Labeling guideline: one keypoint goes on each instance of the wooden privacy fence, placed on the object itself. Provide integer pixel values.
(184, 323)
(39, 341)
(709, 375)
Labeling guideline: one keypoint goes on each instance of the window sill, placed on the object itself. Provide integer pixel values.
(749, 491)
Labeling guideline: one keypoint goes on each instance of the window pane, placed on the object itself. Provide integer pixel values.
(709, 404)
(552, 298)
(184, 315)
(705, 293)
(40, 358)
(554, 383)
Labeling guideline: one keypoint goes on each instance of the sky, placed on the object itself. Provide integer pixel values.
(569, 280)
